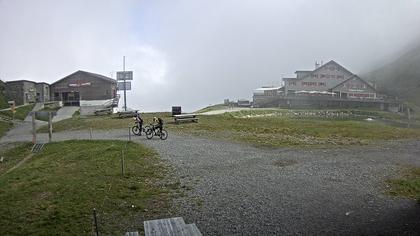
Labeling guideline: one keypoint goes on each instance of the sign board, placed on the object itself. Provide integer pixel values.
(124, 75)
(127, 85)
(80, 84)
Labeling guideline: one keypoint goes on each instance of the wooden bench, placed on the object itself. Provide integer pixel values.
(185, 117)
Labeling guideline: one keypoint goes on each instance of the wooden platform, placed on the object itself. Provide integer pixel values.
(170, 227)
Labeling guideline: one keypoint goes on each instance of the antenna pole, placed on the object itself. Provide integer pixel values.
(125, 93)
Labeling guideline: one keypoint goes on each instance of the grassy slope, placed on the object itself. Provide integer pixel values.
(400, 78)
(3, 102)
(267, 131)
(407, 186)
(54, 192)
(279, 131)
(21, 112)
(212, 108)
(14, 156)
(4, 127)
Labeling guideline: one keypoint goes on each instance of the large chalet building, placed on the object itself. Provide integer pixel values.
(328, 85)
(330, 77)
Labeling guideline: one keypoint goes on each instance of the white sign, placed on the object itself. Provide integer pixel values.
(127, 85)
(124, 75)
(80, 84)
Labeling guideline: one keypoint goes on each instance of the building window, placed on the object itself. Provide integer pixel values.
(309, 84)
(292, 83)
(323, 84)
(322, 76)
(314, 76)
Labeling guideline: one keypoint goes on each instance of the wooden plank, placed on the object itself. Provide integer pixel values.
(136, 233)
(164, 227)
(192, 230)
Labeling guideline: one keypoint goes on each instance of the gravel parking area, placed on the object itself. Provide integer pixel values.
(241, 190)
(235, 189)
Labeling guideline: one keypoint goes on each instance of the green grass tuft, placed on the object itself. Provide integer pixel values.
(408, 185)
(4, 127)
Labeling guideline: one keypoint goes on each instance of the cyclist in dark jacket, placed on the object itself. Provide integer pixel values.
(139, 120)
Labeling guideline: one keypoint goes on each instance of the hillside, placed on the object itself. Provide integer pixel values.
(3, 102)
(400, 78)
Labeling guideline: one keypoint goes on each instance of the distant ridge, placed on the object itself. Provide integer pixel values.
(400, 78)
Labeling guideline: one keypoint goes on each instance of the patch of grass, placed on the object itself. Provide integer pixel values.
(3, 102)
(55, 191)
(284, 131)
(21, 112)
(212, 108)
(4, 127)
(13, 156)
(76, 114)
(408, 185)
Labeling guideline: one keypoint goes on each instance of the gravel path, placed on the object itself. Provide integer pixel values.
(240, 190)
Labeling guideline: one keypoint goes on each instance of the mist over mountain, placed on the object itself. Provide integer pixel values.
(401, 77)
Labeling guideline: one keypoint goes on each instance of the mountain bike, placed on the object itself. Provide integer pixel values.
(152, 131)
(136, 128)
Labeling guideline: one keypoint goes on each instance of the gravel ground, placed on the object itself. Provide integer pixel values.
(236, 189)
(241, 190)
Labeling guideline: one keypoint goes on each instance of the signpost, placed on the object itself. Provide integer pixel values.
(126, 84)
(125, 75)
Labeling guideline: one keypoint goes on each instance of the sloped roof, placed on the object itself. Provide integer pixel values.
(352, 77)
(321, 67)
(20, 80)
(88, 73)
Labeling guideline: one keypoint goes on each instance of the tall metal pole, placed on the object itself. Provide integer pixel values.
(125, 94)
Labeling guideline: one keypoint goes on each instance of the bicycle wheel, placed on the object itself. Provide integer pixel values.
(150, 133)
(146, 129)
(164, 134)
(136, 130)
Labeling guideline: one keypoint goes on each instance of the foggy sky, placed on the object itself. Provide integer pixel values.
(194, 53)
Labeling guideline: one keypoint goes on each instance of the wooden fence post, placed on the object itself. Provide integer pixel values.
(49, 127)
(122, 163)
(96, 222)
(33, 128)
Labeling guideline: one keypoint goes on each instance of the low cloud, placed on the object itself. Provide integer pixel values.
(196, 53)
